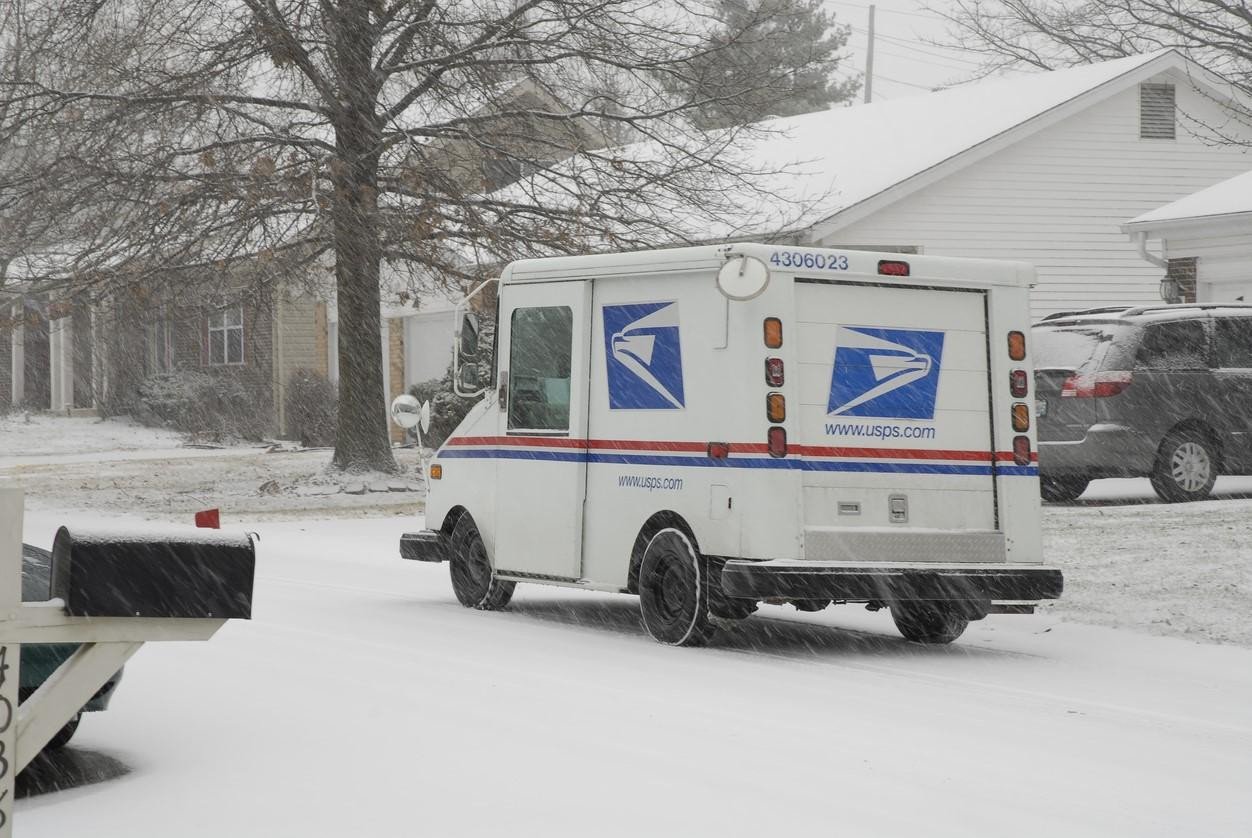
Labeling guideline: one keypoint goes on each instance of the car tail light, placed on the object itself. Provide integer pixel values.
(1017, 346)
(1021, 417)
(773, 332)
(774, 372)
(893, 267)
(1096, 385)
(777, 441)
(1021, 450)
(1018, 383)
(776, 407)
(719, 450)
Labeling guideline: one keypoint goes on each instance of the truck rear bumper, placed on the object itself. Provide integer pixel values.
(889, 583)
(424, 546)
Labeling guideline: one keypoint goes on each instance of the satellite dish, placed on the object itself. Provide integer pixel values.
(406, 412)
(743, 278)
(424, 417)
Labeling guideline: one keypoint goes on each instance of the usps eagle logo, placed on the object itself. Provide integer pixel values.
(887, 373)
(644, 356)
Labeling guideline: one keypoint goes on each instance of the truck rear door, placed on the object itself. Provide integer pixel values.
(894, 427)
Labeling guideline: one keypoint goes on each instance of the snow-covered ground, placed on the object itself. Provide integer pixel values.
(362, 700)
(115, 465)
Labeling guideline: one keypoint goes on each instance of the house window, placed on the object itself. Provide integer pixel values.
(1183, 272)
(1156, 112)
(226, 336)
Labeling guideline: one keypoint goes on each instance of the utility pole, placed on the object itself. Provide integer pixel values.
(869, 59)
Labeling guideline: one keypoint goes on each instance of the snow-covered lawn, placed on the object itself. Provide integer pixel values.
(362, 700)
(115, 465)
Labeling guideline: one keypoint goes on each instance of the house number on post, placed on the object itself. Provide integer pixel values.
(10, 657)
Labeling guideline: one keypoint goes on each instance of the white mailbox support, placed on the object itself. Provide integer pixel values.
(107, 642)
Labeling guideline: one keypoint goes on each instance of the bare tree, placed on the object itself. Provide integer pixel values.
(217, 141)
(1059, 33)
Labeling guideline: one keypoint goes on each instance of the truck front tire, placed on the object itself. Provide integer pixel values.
(473, 580)
(673, 590)
(928, 622)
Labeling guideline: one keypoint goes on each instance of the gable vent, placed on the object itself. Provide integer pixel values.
(1156, 111)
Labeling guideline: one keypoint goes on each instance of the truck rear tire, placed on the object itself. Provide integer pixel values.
(673, 590)
(928, 622)
(473, 580)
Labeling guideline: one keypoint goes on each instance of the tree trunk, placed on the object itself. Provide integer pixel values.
(362, 441)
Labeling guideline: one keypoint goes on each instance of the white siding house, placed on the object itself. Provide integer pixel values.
(1206, 238)
(1045, 168)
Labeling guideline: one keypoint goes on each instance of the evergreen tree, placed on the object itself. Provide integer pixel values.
(767, 58)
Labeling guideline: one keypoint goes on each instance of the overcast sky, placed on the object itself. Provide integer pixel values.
(904, 63)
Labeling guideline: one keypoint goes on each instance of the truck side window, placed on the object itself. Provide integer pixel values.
(540, 350)
(1173, 346)
(1232, 346)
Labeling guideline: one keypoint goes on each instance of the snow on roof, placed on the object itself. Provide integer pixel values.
(812, 167)
(1230, 197)
(857, 152)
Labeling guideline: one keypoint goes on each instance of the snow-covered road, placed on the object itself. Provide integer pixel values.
(362, 700)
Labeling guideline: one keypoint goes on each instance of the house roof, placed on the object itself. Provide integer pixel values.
(1230, 199)
(868, 156)
(818, 172)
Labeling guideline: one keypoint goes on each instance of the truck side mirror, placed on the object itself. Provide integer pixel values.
(469, 335)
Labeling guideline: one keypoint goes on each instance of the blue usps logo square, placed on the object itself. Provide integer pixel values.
(887, 373)
(643, 356)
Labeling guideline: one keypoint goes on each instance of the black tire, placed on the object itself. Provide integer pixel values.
(1185, 468)
(64, 735)
(1056, 489)
(673, 590)
(929, 622)
(473, 579)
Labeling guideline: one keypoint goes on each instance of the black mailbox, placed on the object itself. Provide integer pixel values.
(193, 573)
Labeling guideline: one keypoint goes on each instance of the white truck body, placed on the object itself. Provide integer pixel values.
(628, 387)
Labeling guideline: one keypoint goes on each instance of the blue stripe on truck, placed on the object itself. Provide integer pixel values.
(736, 462)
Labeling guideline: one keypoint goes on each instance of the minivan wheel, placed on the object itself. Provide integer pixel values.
(1062, 489)
(473, 580)
(673, 590)
(929, 622)
(1186, 467)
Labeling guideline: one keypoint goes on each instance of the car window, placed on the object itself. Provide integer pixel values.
(1232, 343)
(1172, 346)
(1070, 347)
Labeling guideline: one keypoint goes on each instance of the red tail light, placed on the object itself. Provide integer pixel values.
(777, 441)
(893, 267)
(719, 450)
(774, 372)
(1018, 382)
(1021, 450)
(1096, 385)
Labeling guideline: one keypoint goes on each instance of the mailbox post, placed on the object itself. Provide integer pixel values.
(10, 653)
(208, 582)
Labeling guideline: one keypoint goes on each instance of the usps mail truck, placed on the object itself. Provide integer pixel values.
(710, 428)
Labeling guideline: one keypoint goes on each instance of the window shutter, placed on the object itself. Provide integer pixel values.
(1156, 111)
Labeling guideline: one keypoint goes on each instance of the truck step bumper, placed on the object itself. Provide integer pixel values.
(889, 583)
(424, 546)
